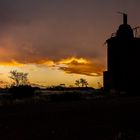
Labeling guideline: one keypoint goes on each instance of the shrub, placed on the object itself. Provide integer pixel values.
(22, 91)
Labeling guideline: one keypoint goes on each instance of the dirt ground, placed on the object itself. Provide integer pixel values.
(100, 119)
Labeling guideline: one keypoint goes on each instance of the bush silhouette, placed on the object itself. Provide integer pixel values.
(22, 91)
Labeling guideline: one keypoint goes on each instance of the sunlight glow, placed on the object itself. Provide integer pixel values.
(74, 60)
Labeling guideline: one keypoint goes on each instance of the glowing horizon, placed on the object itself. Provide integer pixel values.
(43, 72)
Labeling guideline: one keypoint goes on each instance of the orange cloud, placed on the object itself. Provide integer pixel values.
(74, 60)
(11, 63)
(49, 63)
(70, 65)
(81, 66)
(75, 65)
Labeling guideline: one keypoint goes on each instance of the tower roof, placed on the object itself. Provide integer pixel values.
(125, 30)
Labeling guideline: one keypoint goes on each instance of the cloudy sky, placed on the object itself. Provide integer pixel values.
(59, 41)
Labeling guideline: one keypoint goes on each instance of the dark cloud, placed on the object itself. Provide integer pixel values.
(35, 30)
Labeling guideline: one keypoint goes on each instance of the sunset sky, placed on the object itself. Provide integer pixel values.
(59, 41)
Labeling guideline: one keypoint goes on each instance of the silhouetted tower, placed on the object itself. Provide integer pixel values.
(123, 55)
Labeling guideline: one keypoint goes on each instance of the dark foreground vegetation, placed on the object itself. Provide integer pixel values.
(21, 92)
(73, 118)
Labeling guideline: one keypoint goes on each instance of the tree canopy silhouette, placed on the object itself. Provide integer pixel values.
(82, 82)
(19, 78)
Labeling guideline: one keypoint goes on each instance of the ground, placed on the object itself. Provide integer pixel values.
(97, 119)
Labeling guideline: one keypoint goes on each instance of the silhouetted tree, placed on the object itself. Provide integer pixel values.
(82, 82)
(77, 83)
(19, 78)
